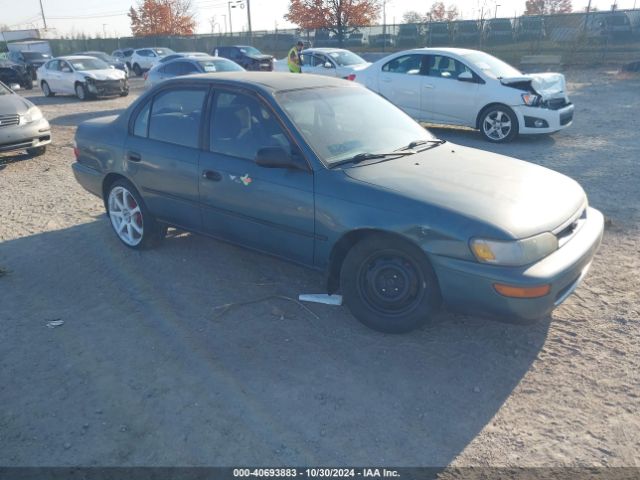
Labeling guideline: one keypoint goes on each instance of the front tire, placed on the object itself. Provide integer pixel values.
(389, 285)
(498, 124)
(46, 89)
(131, 221)
(137, 70)
(81, 92)
(36, 151)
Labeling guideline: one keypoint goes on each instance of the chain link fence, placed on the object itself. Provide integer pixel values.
(576, 39)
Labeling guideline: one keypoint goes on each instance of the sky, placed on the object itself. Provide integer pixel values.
(109, 17)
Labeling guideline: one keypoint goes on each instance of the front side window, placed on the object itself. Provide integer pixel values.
(242, 125)
(406, 64)
(445, 67)
(175, 116)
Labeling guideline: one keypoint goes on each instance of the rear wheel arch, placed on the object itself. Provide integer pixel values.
(109, 180)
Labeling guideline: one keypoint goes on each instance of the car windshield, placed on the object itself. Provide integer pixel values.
(102, 56)
(250, 51)
(492, 66)
(84, 64)
(219, 66)
(344, 58)
(35, 56)
(339, 123)
(163, 51)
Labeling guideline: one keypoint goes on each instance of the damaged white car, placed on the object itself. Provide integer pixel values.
(454, 86)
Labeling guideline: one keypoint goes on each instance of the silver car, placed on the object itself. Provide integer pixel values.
(22, 126)
(188, 65)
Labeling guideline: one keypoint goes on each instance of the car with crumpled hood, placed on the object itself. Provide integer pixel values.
(470, 88)
(249, 58)
(22, 125)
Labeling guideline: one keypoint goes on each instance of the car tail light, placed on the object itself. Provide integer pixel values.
(351, 76)
(76, 151)
(146, 74)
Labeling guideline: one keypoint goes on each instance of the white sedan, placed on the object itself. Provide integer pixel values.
(83, 76)
(453, 86)
(334, 62)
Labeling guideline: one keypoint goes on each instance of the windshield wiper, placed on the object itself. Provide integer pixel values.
(360, 157)
(417, 143)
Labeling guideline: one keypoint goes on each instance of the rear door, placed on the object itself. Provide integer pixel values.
(268, 209)
(162, 150)
(400, 82)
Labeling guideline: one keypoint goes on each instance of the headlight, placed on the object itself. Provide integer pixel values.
(33, 115)
(89, 79)
(531, 99)
(514, 253)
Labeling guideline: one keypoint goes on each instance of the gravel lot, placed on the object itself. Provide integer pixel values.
(146, 371)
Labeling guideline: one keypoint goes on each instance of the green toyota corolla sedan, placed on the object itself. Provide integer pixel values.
(325, 173)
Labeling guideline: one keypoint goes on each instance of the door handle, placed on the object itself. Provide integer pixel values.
(134, 156)
(385, 79)
(428, 85)
(211, 175)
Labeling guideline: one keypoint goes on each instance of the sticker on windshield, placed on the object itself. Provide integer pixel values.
(209, 68)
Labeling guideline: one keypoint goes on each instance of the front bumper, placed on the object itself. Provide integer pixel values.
(553, 119)
(106, 88)
(20, 137)
(469, 286)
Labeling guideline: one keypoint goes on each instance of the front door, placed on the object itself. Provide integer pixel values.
(268, 209)
(161, 154)
(400, 82)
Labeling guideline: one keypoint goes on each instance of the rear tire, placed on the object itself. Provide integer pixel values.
(389, 285)
(46, 90)
(130, 219)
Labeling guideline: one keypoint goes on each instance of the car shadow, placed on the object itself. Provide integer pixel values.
(74, 119)
(7, 158)
(199, 352)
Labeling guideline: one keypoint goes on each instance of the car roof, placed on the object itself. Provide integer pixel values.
(74, 57)
(457, 51)
(270, 82)
(325, 49)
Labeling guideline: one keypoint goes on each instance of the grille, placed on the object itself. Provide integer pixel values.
(7, 120)
(556, 103)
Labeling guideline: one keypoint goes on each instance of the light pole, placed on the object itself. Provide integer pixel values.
(230, 27)
(249, 18)
(495, 15)
(44, 20)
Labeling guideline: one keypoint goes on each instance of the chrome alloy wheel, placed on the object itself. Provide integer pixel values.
(126, 216)
(497, 125)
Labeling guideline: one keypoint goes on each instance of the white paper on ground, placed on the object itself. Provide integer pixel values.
(321, 298)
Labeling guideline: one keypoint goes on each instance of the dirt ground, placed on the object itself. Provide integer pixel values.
(146, 370)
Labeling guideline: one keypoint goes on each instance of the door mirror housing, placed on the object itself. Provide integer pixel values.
(466, 77)
(277, 157)
(65, 70)
(328, 65)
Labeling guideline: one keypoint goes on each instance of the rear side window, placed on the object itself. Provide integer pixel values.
(407, 64)
(175, 116)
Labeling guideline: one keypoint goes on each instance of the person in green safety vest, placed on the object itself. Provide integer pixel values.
(293, 59)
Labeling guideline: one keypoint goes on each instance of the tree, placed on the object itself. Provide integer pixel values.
(338, 16)
(547, 7)
(162, 17)
(412, 16)
(440, 13)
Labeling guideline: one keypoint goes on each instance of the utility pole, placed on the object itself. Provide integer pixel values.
(249, 18)
(44, 20)
(496, 12)
(230, 27)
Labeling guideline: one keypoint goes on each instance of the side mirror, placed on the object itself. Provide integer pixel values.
(65, 70)
(328, 65)
(276, 157)
(465, 77)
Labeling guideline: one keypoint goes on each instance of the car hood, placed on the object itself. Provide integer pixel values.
(547, 85)
(519, 198)
(10, 104)
(105, 74)
(260, 57)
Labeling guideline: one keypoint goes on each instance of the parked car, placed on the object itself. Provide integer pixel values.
(145, 58)
(438, 34)
(173, 56)
(530, 27)
(114, 62)
(470, 88)
(498, 30)
(249, 58)
(334, 62)
(31, 60)
(83, 76)
(465, 32)
(330, 175)
(124, 55)
(187, 66)
(383, 40)
(13, 74)
(22, 126)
